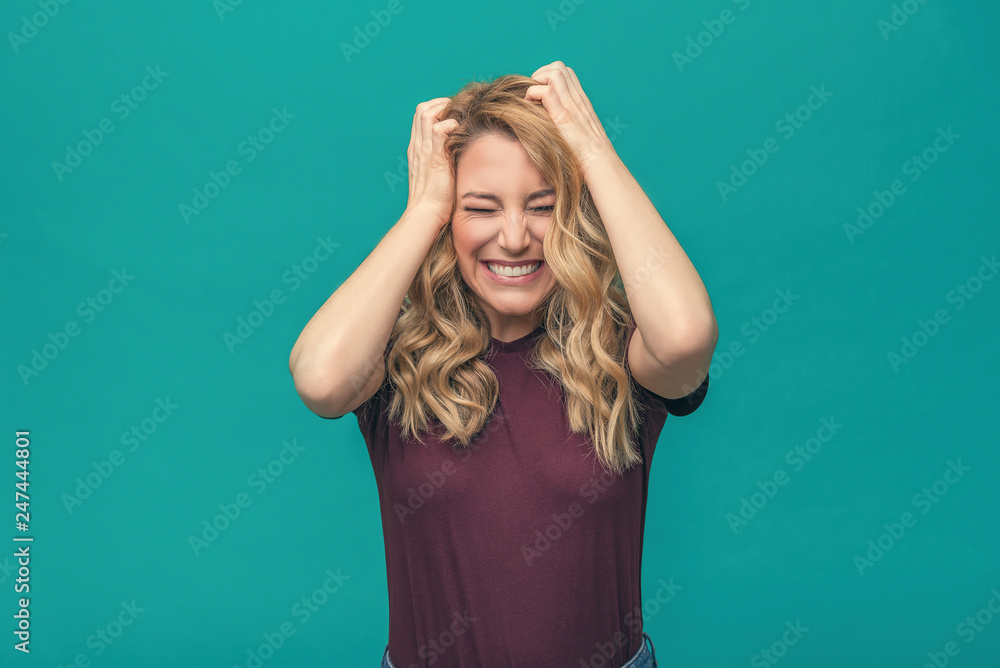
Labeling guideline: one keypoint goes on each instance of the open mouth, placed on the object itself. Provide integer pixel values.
(512, 272)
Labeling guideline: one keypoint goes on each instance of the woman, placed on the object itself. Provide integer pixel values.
(514, 351)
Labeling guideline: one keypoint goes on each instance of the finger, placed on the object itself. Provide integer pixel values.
(548, 95)
(541, 69)
(556, 67)
(579, 90)
(441, 129)
(428, 117)
(415, 129)
(414, 133)
(559, 78)
(539, 90)
(558, 72)
(535, 92)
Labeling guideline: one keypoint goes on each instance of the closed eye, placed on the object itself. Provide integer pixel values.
(543, 209)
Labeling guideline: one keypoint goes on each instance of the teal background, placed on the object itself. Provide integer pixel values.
(331, 173)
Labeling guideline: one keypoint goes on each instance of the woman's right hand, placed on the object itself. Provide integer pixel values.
(432, 186)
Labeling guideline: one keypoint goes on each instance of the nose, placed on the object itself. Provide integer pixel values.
(514, 232)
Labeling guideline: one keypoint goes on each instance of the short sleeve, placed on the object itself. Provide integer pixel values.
(688, 404)
(678, 407)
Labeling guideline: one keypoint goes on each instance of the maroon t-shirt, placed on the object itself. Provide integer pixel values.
(522, 551)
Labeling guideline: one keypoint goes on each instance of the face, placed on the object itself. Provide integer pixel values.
(503, 206)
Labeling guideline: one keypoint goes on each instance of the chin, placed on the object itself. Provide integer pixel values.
(515, 308)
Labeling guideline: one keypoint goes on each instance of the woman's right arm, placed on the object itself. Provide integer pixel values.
(337, 361)
(338, 357)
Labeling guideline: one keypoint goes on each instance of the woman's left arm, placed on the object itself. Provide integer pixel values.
(676, 330)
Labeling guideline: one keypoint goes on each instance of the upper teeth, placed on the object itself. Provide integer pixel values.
(513, 271)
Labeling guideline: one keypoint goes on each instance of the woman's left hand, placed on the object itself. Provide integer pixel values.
(560, 93)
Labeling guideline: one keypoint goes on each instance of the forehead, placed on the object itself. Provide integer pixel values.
(497, 163)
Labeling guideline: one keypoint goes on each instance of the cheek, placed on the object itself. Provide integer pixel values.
(465, 250)
(539, 229)
(467, 241)
(458, 236)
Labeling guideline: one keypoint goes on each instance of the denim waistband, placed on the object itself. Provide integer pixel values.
(645, 657)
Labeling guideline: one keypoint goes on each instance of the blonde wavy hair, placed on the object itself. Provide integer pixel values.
(436, 361)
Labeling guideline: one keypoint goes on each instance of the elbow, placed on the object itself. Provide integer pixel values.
(293, 359)
(309, 375)
(691, 341)
(317, 395)
(710, 334)
(313, 383)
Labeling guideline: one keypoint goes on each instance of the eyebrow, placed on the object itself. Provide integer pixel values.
(491, 196)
